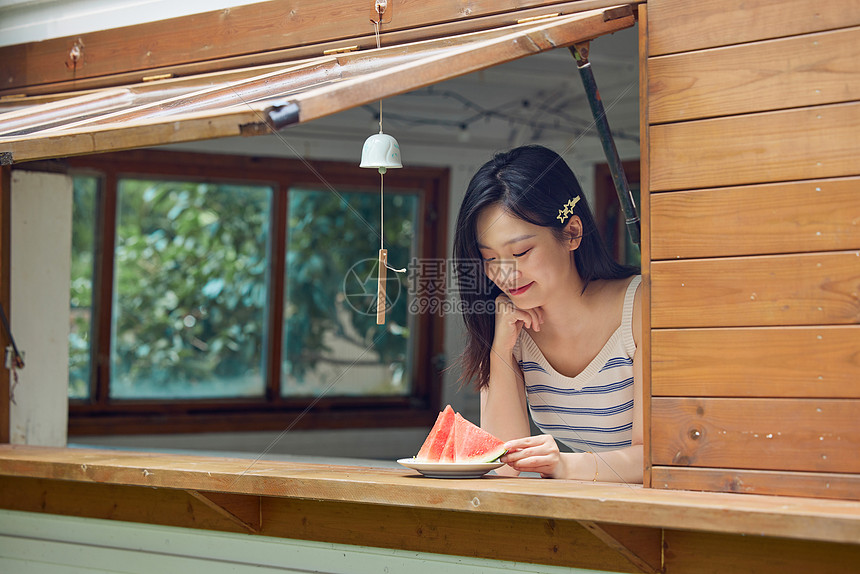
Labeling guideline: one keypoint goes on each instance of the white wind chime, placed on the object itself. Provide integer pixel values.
(381, 151)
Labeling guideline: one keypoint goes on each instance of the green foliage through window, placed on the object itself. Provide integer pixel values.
(330, 307)
(190, 289)
(81, 294)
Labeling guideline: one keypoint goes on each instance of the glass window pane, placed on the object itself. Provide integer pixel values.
(332, 344)
(81, 296)
(190, 290)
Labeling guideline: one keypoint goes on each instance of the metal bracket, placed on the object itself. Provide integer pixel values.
(283, 114)
(381, 11)
(6, 158)
(14, 358)
(625, 197)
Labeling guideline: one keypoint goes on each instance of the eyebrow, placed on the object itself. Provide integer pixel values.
(509, 241)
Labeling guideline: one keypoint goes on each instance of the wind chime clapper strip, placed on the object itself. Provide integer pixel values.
(380, 291)
(625, 196)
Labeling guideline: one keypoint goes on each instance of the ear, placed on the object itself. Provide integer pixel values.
(574, 228)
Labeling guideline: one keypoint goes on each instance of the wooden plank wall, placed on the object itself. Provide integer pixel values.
(753, 115)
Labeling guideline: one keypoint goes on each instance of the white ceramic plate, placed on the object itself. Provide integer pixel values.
(450, 469)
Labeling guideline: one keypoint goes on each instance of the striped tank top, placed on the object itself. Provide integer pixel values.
(592, 411)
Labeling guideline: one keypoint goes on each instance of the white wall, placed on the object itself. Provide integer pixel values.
(41, 244)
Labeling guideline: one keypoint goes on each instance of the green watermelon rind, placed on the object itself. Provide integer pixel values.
(492, 456)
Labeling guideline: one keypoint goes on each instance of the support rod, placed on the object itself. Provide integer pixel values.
(625, 197)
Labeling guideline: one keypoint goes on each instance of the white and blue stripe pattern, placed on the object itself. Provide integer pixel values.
(592, 411)
(527, 366)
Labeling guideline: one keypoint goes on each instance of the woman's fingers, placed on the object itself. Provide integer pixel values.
(544, 464)
(533, 454)
(529, 441)
(530, 318)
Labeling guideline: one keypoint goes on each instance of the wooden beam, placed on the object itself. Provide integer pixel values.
(732, 553)
(517, 538)
(645, 246)
(529, 539)
(242, 509)
(768, 290)
(686, 26)
(784, 217)
(642, 546)
(250, 35)
(365, 80)
(807, 70)
(812, 435)
(168, 507)
(532, 539)
(787, 145)
(779, 362)
(5, 295)
(771, 482)
(784, 517)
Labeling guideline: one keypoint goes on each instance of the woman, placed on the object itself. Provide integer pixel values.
(562, 340)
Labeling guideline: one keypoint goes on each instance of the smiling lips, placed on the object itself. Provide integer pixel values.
(521, 290)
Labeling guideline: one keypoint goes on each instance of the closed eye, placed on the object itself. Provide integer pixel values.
(523, 253)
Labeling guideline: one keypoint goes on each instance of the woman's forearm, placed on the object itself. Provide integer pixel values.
(503, 403)
(504, 412)
(623, 465)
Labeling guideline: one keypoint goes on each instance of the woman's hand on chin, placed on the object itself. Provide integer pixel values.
(510, 320)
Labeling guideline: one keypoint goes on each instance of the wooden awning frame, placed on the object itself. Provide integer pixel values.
(261, 100)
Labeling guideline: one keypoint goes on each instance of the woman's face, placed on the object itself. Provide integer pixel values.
(524, 260)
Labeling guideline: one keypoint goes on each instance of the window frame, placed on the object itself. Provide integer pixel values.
(99, 414)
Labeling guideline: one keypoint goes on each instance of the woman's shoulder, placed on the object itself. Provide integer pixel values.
(624, 301)
(617, 291)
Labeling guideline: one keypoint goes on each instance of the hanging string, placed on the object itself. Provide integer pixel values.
(378, 46)
(381, 172)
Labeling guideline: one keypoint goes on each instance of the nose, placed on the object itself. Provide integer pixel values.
(503, 272)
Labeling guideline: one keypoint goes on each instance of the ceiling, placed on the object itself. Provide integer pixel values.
(535, 99)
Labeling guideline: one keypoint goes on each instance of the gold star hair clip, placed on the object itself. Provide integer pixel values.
(567, 210)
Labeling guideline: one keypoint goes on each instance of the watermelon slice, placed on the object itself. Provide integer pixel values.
(434, 444)
(448, 453)
(474, 444)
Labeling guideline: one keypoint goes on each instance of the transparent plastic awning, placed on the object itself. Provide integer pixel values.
(260, 100)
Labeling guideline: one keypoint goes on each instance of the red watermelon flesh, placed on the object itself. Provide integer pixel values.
(434, 444)
(474, 444)
(448, 453)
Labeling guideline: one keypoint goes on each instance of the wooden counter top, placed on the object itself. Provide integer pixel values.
(784, 517)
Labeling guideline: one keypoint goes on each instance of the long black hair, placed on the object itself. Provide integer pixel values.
(532, 183)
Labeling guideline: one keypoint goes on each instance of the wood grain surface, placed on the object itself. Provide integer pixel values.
(814, 435)
(798, 71)
(679, 26)
(818, 361)
(798, 144)
(784, 483)
(547, 499)
(791, 217)
(805, 289)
